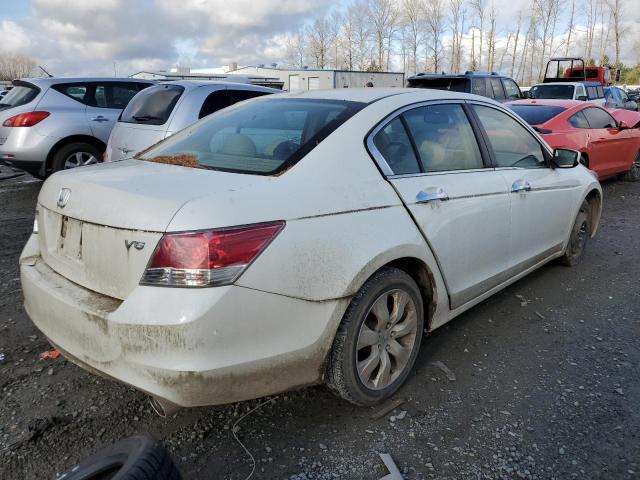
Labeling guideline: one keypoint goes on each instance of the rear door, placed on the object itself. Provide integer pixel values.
(105, 101)
(542, 198)
(434, 161)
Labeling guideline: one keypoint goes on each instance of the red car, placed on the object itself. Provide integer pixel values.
(609, 139)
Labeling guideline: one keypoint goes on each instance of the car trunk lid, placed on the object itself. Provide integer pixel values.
(127, 139)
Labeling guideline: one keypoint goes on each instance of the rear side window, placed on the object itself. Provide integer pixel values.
(598, 118)
(223, 98)
(77, 91)
(512, 144)
(153, 105)
(511, 88)
(240, 95)
(20, 94)
(600, 92)
(479, 87)
(263, 138)
(498, 91)
(443, 138)
(578, 120)
(394, 145)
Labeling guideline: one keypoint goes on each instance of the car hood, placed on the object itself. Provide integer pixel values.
(143, 195)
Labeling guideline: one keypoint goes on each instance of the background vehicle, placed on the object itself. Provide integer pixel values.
(609, 146)
(616, 97)
(491, 85)
(573, 69)
(586, 91)
(167, 107)
(49, 124)
(270, 295)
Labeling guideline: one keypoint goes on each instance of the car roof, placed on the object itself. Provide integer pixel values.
(369, 95)
(430, 76)
(586, 84)
(192, 84)
(46, 81)
(550, 103)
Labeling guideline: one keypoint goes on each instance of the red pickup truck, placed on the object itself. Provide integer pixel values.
(573, 69)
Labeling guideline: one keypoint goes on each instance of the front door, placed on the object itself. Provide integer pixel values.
(107, 101)
(542, 198)
(460, 204)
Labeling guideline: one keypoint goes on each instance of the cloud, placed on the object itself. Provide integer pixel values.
(80, 37)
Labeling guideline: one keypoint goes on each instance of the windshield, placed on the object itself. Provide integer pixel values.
(536, 114)
(261, 137)
(552, 91)
(153, 105)
(19, 95)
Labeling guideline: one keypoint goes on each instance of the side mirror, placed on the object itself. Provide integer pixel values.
(582, 98)
(564, 158)
(622, 125)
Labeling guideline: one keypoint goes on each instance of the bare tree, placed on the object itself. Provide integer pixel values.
(361, 35)
(479, 8)
(456, 21)
(14, 66)
(492, 38)
(294, 56)
(515, 43)
(383, 16)
(546, 10)
(413, 20)
(318, 42)
(615, 7)
(570, 28)
(436, 26)
(591, 27)
(335, 23)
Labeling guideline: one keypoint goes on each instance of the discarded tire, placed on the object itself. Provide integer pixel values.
(134, 458)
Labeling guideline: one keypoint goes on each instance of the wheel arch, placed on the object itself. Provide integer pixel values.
(594, 199)
(68, 140)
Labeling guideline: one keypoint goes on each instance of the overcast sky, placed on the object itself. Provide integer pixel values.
(86, 37)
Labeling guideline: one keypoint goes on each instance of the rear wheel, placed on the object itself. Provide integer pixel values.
(75, 155)
(633, 175)
(579, 236)
(378, 340)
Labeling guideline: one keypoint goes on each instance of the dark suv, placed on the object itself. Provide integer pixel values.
(492, 85)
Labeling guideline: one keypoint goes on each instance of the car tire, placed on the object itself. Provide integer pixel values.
(633, 175)
(369, 330)
(134, 458)
(579, 237)
(74, 155)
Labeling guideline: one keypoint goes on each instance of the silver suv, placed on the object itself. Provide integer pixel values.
(167, 107)
(50, 124)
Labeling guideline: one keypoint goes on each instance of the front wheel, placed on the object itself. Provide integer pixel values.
(378, 340)
(579, 236)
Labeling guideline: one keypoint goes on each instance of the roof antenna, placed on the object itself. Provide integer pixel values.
(46, 73)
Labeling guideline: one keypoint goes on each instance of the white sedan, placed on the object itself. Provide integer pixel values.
(298, 239)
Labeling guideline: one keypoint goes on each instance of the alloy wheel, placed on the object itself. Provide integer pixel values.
(386, 339)
(79, 159)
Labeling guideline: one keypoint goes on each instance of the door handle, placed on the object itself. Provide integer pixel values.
(99, 118)
(426, 197)
(521, 186)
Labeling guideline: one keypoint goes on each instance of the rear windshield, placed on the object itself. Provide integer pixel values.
(453, 84)
(582, 73)
(260, 137)
(153, 105)
(552, 91)
(19, 95)
(536, 114)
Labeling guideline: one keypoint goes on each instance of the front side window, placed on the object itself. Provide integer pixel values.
(444, 138)
(153, 105)
(513, 92)
(512, 144)
(600, 91)
(394, 145)
(592, 92)
(578, 120)
(598, 118)
(263, 138)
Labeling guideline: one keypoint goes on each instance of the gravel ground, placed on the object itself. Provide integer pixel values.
(545, 385)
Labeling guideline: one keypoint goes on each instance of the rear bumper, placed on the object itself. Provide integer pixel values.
(26, 148)
(188, 346)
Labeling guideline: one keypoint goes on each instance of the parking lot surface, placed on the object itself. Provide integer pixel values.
(540, 381)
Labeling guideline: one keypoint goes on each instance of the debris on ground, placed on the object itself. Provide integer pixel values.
(540, 315)
(49, 355)
(394, 473)
(387, 408)
(1, 357)
(447, 371)
(523, 301)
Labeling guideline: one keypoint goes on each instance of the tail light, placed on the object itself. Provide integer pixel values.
(209, 258)
(28, 119)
